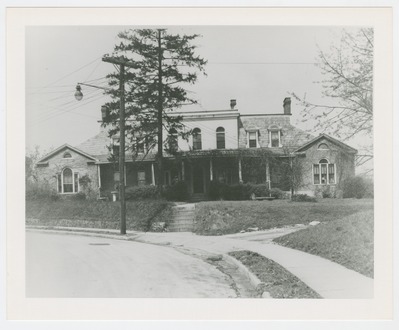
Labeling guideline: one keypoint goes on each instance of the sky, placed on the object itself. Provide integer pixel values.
(256, 65)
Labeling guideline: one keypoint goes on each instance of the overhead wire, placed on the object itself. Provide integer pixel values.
(92, 98)
(69, 74)
(60, 106)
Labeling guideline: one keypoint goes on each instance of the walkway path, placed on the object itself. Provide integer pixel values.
(327, 278)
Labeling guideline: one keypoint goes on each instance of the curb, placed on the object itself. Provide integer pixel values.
(255, 281)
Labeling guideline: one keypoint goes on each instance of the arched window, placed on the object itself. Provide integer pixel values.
(324, 172)
(220, 138)
(67, 178)
(67, 155)
(323, 146)
(68, 181)
(197, 143)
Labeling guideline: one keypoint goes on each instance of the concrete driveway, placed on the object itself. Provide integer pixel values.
(93, 267)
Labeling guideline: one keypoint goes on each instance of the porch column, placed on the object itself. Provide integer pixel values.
(268, 174)
(239, 171)
(99, 175)
(182, 171)
(152, 174)
(211, 169)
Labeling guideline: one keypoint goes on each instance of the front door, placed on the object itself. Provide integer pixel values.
(198, 180)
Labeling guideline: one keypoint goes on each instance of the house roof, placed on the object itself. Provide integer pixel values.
(61, 148)
(97, 145)
(329, 138)
(291, 138)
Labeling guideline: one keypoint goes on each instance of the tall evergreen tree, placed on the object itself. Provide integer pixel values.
(160, 66)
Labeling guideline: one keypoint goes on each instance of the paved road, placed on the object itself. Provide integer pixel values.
(93, 267)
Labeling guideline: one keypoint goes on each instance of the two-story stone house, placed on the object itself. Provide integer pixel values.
(224, 146)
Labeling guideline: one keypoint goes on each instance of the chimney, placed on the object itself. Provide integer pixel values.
(287, 106)
(233, 104)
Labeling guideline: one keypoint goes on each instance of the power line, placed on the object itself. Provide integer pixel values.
(60, 106)
(93, 99)
(262, 63)
(69, 74)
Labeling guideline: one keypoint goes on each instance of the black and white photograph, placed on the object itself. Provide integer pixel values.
(212, 162)
(228, 173)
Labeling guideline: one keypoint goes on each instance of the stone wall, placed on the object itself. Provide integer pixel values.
(344, 166)
(77, 163)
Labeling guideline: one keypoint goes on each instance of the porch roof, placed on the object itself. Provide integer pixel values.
(215, 153)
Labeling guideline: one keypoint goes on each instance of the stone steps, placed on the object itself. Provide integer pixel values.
(183, 218)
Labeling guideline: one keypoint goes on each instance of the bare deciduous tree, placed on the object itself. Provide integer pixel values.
(348, 83)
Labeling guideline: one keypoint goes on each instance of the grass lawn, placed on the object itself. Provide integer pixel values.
(97, 214)
(227, 217)
(348, 241)
(279, 282)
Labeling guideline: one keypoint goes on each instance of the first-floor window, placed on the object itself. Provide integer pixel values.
(68, 181)
(324, 172)
(141, 178)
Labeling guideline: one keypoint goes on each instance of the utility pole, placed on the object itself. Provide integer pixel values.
(122, 65)
(160, 112)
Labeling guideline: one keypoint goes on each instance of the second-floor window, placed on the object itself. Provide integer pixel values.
(220, 138)
(172, 140)
(274, 137)
(197, 143)
(252, 140)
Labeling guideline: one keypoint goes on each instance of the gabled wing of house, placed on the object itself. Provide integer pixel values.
(326, 137)
(62, 149)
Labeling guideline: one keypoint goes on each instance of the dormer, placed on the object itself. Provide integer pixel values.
(275, 134)
(252, 137)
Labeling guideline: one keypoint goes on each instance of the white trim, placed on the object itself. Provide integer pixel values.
(210, 170)
(73, 182)
(99, 175)
(270, 137)
(152, 174)
(328, 173)
(256, 138)
(239, 171)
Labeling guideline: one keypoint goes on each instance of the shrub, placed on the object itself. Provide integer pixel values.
(260, 190)
(40, 190)
(178, 191)
(303, 198)
(79, 196)
(237, 192)
(141, 192)
(358, 187)
(277, 193)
